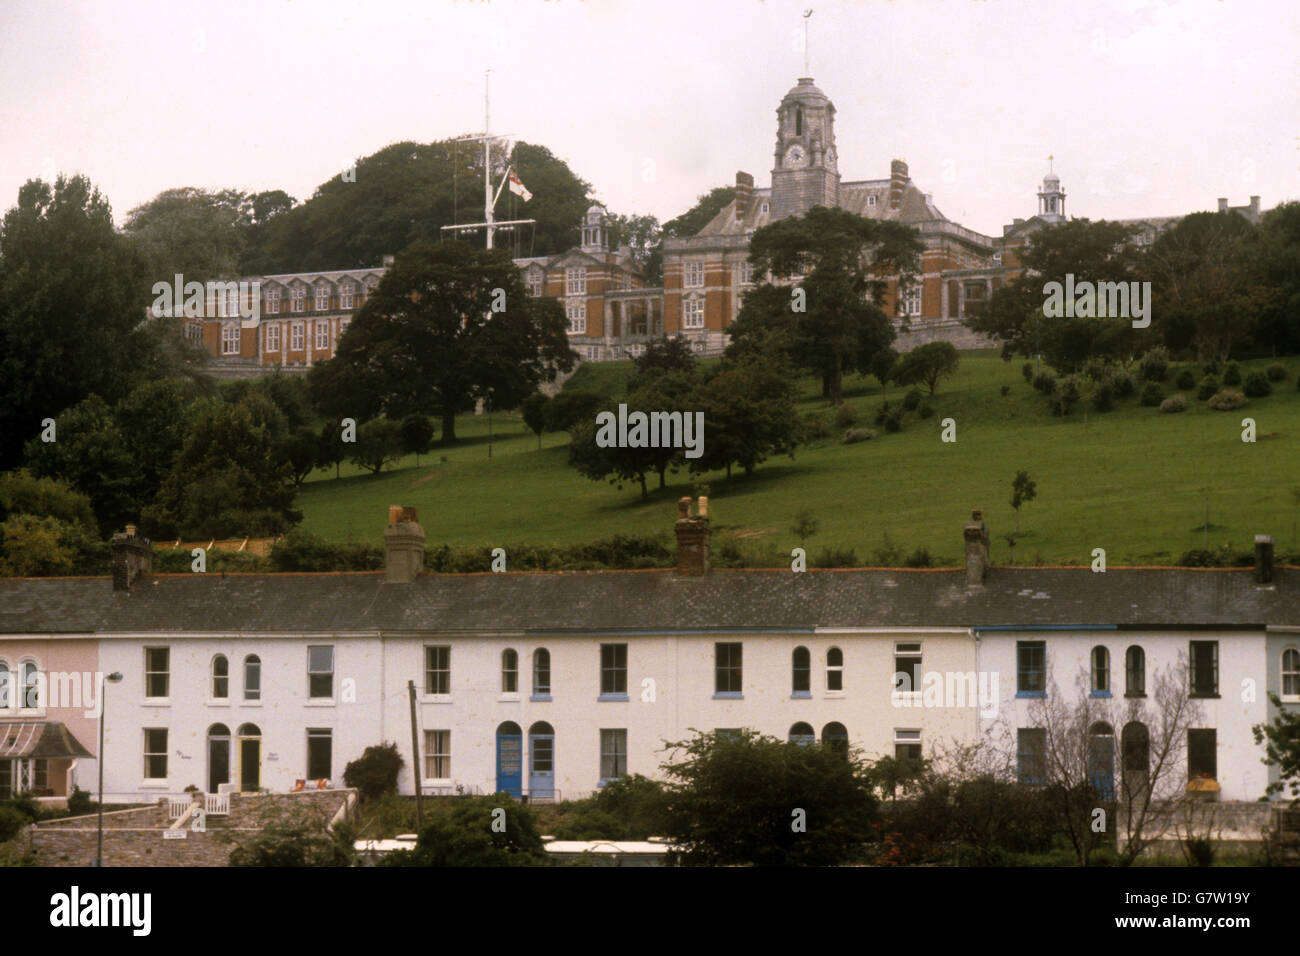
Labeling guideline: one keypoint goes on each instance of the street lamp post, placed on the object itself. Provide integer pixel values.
(103, 709)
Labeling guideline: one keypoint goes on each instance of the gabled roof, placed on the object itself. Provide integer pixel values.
(574, 602)
(38, 739)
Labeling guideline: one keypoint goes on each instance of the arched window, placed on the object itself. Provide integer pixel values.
(509, 671)
(798, 121)
(836, 737)
(541, 672)
(220, 677)
(1101, 759)
(31, 686)
(1291, 674)
(1135, 747)
(1100, 672)
(835, 669)
(801, 672)
(803, 734)
(1135, 671)
(249, 730)
(252, 677)
(5, 681)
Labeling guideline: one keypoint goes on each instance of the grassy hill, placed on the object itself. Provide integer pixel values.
(1132, 481)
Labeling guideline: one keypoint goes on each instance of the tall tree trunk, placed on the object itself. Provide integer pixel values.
(837, 380)
(826, 385)
(448, 428)
(662, 469)
(644, 492)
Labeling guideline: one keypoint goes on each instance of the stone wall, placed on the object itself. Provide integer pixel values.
(923, 332)
(137, 837)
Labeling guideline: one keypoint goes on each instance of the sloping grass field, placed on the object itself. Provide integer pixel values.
(1132, 481)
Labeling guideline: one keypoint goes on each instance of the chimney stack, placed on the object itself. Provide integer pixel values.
(132, 557)
(744, 190)
(898, 179)
(403, 545)
(1223, 204)
(692, 537)
(1263, 559)
(977, 549)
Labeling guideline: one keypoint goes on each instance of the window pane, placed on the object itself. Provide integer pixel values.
(319, 751)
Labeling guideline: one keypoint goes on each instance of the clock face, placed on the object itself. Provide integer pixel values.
(794, 156)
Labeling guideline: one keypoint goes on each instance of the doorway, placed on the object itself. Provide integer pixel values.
(218, 756)
(250, 758)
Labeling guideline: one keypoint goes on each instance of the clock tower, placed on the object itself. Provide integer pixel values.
(806, 172)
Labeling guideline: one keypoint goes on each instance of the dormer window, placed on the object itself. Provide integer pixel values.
(871, 200)
(296, 299)
(322, 298)
(346, 291)
(272, 301)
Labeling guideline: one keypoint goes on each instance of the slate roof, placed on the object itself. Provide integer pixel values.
(853, 196)
(649, 601)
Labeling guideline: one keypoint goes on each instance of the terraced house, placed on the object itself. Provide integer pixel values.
(547, 685)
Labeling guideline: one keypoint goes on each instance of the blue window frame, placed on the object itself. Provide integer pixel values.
(1031, 668)
(1031, 749)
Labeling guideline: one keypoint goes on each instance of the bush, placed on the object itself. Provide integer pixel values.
(854, 435)
(926, 410)
(1123, 384)
(12, 822)
(1027, 370)
(836, 558)
(1226, 401)
(1276, 372)
(1103, 399)
(79, 803)
(461, 833)
(1174, 403)
(817, 426)
(920, 558)
(1232, 374)
(1208, 387)
(846, 416)
(1257, 385)
(1045, 382)
(1152, 394)
(1006, 390)
(374, 773)
(894, 422)
(1212, 367)
(912, 399)
(1066, 396)
(1155, 364)
(1186, 380)
(883, 412)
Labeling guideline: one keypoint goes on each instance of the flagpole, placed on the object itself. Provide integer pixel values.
(487, 157)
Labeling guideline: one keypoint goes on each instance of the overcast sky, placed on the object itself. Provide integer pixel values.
(1150, 108)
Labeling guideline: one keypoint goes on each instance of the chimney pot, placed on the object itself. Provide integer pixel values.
(132, 557)
(1263, 559)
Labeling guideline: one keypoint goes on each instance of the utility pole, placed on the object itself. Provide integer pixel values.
(489, 223)
(415, 749)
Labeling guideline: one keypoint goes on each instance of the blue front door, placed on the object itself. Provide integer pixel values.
(510, 763)
(541, 777)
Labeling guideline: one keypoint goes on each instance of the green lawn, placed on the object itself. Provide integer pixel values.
(1132, 481)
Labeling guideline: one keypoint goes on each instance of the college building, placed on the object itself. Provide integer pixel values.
(548, 685)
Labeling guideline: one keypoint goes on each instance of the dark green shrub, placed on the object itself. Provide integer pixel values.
(1123, 384)
(925, 410)
(884, 411)
(894, 422)
(1200, 851)
(1103, 399)
(1155, 364)
(374, 773)
(920, 558)
(1212, 367)
(1027, 370)
(836, 558)
(912, 399)
(1006, 390)
(1257, 385)
(1186, 380)
(817, 426)
(1276, 372)
(845, 416)
(12, 822)
(1232, 374)
(1066, 396)
(1045, 382)
(1152, 394)
(1208, 387)
(80, 803)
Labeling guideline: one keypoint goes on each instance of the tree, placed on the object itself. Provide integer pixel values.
(72, 296)
(375, 772)
(91, 454)
(330, 447)
(534, 411)
(749, 411)
(476, 831)
(840, 257)
(429, 341)
(1278, 261)
(299, 450)
(195, 232)
(706, 207)
(804, 527)
(295, 837)
(744, 798)
(671, 354)
(416, 436)
(379, 442)
(572, 407)
(23, 493)
(153, 421)
(227, 479)
(641, 234)
(1095, 251)
(38, 546)
(927, 363)
(1023, 489)
(1281, 740)
(882, 366)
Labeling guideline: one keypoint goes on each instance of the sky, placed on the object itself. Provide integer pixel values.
(1150, 108)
